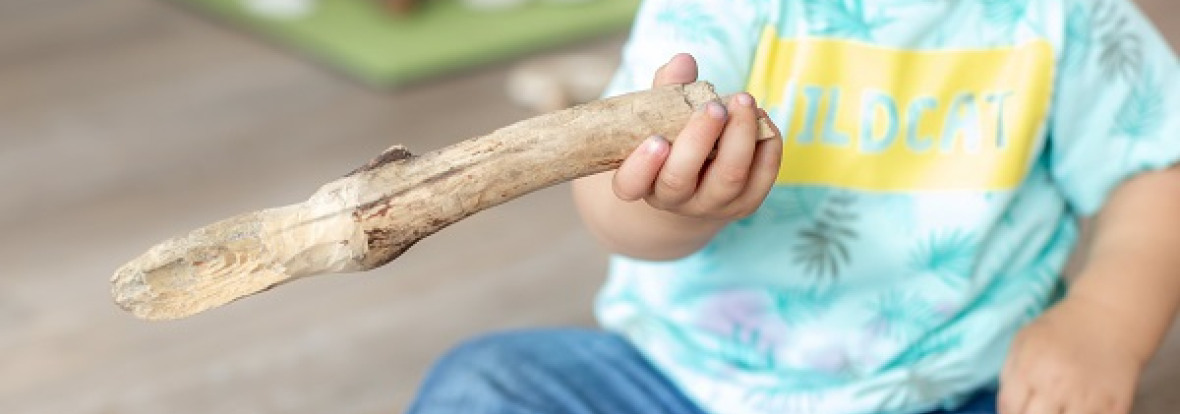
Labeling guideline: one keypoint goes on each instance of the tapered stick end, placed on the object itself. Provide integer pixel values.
(208, 267)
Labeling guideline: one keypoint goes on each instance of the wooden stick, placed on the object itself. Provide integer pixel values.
(371, 216)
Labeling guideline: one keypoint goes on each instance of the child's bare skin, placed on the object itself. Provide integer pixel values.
(1085, 354)
(687, 197)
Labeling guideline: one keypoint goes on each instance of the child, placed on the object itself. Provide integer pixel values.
(900, 250)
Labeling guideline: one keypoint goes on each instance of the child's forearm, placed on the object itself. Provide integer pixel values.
(1133, 265)
(635, 229)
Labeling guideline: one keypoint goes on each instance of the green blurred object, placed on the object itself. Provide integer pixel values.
(362, 39)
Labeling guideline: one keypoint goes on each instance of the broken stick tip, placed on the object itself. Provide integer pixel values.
(222, 262)
(133, 295)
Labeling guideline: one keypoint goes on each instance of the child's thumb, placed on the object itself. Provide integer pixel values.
(681, 69)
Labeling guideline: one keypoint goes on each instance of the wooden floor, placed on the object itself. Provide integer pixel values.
(123, 122)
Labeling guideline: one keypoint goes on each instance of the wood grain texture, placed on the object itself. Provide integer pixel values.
(370, 217)
(161, 115)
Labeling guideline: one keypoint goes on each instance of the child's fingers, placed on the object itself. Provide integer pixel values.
(768, 155)
(1096, 400)
(1014, 390)
(681, 69)
(633, 180)
(1041, 405)
(727, 175)
(678, 179)
(1013, 397)
(1122, 405)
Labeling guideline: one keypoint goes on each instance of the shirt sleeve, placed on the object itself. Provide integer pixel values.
(721, 34)
(1116, 101)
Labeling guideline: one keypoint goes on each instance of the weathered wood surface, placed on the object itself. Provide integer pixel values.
(157, 112)
(371, 216)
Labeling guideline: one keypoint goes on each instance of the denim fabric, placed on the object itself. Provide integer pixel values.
(562, 371)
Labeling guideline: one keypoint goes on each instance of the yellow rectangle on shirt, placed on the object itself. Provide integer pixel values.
(860, 116)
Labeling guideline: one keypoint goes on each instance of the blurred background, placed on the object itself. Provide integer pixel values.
(124, 122)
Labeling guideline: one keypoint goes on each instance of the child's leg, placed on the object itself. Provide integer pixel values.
(548, 371)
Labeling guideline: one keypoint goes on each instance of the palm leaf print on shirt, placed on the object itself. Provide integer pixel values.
(1045, 288)
(796, 306)
(921, 383)
(937, 344)
(1142, 113)
(1077, 36)
(1006, 13)
(901, 315)
(802, 201)
(690, 21)
(823, 247)
(844, 18)
(747, 350)
(947, 255)
(1120, 50)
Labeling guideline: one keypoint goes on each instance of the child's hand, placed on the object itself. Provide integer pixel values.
(1070, 361)
(680, 178)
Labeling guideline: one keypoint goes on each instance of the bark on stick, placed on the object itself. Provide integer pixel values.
(371, 216)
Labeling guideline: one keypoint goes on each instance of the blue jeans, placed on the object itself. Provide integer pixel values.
(563, 371)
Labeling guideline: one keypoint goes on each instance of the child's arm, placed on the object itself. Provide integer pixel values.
(1085, 355)
(1112, 139)
(668, 200)
(1134, 262)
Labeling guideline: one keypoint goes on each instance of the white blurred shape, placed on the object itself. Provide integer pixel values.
(281, 9)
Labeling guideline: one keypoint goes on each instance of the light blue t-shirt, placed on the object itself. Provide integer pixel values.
(936, 157)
